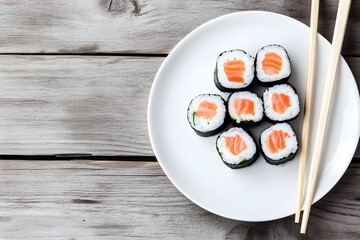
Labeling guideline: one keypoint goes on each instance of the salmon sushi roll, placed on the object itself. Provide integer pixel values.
(279, 143)
(245, 109)
(281, 103)
(207, 114)
(272, 65)
(237, 148)
(234, 70)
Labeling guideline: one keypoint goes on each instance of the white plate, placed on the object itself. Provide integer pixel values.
(260, 192)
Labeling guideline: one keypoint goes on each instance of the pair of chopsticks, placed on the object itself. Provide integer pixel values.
(339, 32)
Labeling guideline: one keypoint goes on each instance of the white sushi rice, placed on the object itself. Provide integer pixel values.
(258, 107)
(246, 154)
(285, 69)
(291, 142)
(290, 112)
(248, 74)
(204, 125)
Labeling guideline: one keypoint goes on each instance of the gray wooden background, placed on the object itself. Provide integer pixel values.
(76, 158)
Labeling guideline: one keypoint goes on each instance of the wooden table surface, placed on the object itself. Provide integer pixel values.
(76, 158)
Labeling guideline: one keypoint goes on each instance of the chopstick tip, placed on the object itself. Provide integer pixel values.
(297, 217)
(303, 226)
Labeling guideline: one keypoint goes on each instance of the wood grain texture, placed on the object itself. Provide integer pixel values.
(134, 200)
(138, 26)
(79, 105)
(69, 105)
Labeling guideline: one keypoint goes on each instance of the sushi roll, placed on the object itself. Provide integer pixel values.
(272, 65)
(234, 70)
(237, 148)
(207, 114)
(245, 109)
(278, 143)
(281, 103)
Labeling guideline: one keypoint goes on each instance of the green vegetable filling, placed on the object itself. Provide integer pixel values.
(243, 160)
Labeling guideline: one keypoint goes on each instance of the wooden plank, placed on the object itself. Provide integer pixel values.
(79, 105)
(138, 26)
(124, 200)
(69, 105)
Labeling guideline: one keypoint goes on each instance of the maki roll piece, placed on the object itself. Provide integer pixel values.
(234, 70)
(272, 65)
(207, 114)
(281, 103)
(278, 143)
(237, 148)
(245, 109)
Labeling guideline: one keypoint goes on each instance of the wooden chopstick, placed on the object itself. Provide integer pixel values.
(339, 32)
(308, 104)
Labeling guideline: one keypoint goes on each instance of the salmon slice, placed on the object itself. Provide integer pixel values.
(234, 70)
(235, 144)
(276, 140)
(280, 102)
(272, 63)
(206, 110)
(243, 105)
